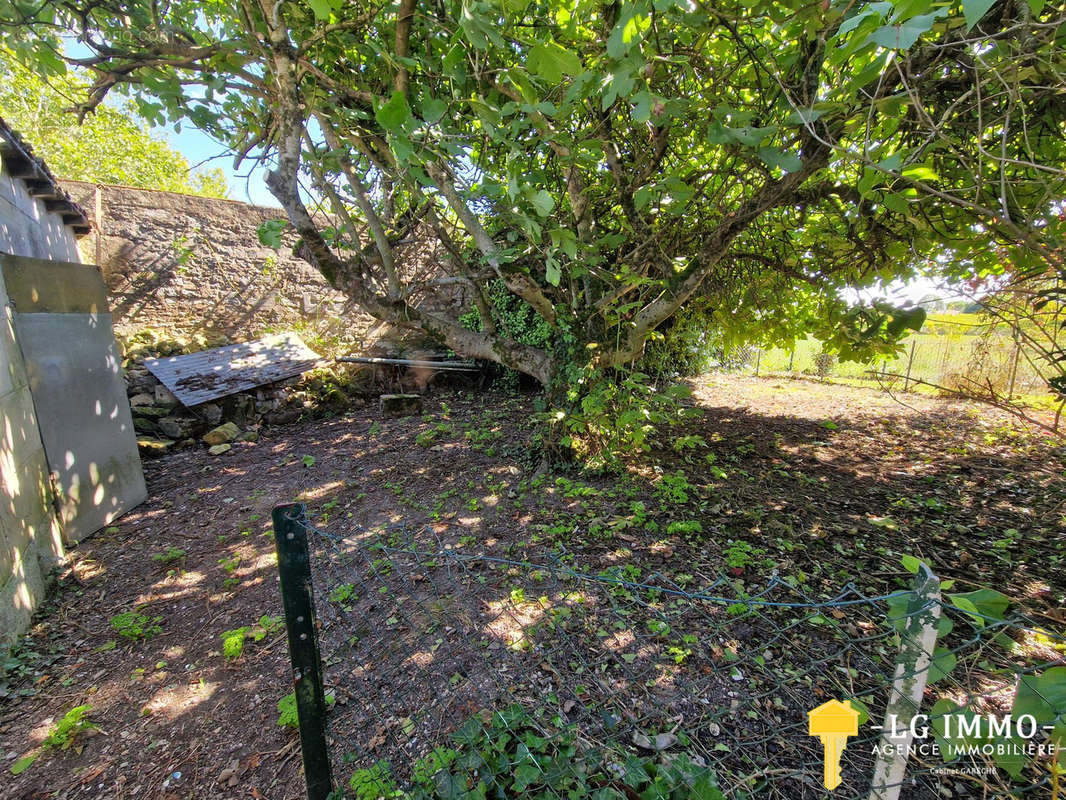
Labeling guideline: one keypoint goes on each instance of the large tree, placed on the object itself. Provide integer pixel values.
(601, 164)
(112, 145)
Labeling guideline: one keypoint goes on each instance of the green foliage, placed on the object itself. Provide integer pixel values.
(135, 626)
(514, 752)
(63, 733)
(374, 783)
(60, 736)
(112, 145)
(233, 642)
(288, 712)
(687, 346)
(343, 595)
(603, 417)
(169, 556)
(674, 488)
(288, 716)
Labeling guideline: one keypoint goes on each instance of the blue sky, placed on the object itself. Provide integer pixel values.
(246, 185)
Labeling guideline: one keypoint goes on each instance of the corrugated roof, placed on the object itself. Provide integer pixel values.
(21, 164)
(199, 377)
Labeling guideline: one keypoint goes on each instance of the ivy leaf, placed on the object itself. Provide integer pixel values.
(896, 203)
(551, 62)
(394, 114)
(1043, 696)
(861, 707)
(552, 272)
(270, 233)
(911, 564)
(566, 240)
(804, 116)
(23, 764)
(942, 663)
(974, 10)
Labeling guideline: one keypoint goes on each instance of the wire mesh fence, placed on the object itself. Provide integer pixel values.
(454, 674)
(979, 363)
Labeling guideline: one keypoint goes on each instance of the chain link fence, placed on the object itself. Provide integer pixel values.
(978, 363)
(426, 667)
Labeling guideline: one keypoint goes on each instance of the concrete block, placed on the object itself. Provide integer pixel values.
(400, 405)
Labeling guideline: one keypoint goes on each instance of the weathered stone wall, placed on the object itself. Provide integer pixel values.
(194, 265)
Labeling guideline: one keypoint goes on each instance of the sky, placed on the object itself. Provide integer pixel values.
(201, 150)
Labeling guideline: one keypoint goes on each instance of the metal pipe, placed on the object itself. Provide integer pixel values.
(459, 366)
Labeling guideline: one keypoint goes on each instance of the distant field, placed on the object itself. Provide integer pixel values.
(947, 349)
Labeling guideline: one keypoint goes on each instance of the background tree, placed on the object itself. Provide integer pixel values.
(111, 145)
(605, 164)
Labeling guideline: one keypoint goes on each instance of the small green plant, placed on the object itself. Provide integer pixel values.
(739, 554)
(169, 556)
(60, 736)
(135, 626)
(682, 527)
(289, 716)
(374, 783)
(343, 595)
(425, 768)
(308, 461)
(233, 642)
(63, 732)
(688, 443)
(267, 626)
(674, 488)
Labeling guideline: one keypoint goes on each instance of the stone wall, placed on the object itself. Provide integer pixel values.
(194, 265)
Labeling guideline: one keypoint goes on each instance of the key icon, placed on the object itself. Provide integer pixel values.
(833, 722)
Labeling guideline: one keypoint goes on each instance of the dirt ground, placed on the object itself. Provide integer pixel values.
(829, 482)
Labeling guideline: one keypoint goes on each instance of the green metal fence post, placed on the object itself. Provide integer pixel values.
(297, 597)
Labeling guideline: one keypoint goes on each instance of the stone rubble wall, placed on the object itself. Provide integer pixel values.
(191, 265)
(194, 265)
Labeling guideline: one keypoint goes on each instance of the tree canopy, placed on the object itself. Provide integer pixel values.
(110, 146)
(602, 165)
